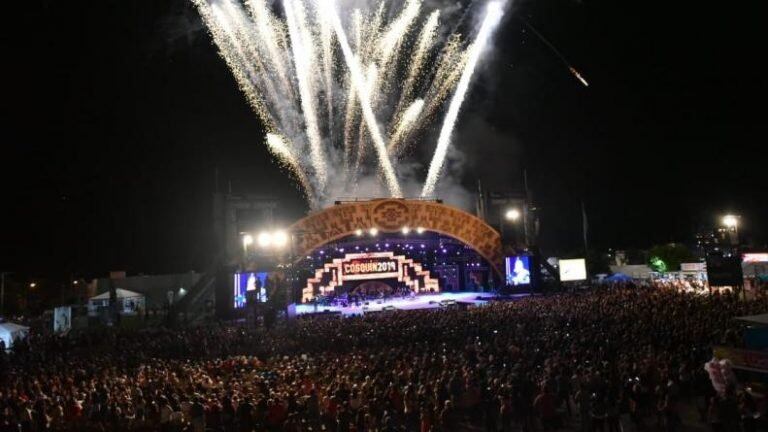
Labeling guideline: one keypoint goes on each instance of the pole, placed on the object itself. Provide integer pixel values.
(584, 227)
(501, 223)
(2, 293)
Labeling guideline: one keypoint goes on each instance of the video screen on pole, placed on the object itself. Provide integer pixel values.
(573, 270)
(250, 284)
(518, 270)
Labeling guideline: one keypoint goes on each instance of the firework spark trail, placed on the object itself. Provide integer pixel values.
(350, 116)
(390, 50)
(493, 12)
(447, 73)
(393, 36)
(302, 58)
(424, 44)
(325, 80)
(370, 34)
(349, 122)
(282, 151)
(386, 49)
(234, 23)
(406, 120)
(267, 28)
(358, 81)
(326, 36)
(235, 63)
(371, 82)
(578, 76)
(557, 52)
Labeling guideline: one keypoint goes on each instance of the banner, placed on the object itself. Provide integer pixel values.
(370, 268)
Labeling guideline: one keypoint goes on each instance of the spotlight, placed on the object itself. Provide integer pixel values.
(358, 232)
(247, 240)
(280, 238)
(420, 230)
(373, 232)
(264, 239)
(512, 214)
(406, 230)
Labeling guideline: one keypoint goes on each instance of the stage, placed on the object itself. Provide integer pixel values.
(423, 301)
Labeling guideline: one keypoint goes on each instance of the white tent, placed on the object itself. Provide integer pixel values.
(128, 302)
(10, 332)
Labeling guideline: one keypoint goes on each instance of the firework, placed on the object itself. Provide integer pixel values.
(276, 144)
(426, 40)
(302, 57)
(358, 82)
(272, 35)
(354, 81)
(406, 121)
(492, 16)
(557, 52)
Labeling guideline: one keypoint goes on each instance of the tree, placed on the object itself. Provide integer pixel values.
(668, 257)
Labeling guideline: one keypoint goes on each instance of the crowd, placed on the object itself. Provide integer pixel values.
(589, 360)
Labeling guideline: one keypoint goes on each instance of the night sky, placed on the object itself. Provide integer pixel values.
(119, 113)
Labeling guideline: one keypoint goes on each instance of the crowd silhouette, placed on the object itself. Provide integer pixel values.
(586, 361)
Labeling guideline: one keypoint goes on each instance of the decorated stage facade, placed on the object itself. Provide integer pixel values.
(423, 245)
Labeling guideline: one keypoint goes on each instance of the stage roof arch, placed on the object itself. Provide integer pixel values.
(391, 215)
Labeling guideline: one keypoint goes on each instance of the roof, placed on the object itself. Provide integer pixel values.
(119, 293)
(12, 327)
(761, 319)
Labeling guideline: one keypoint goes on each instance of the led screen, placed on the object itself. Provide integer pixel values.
(250, 284)
(573, 270)
(518, 270)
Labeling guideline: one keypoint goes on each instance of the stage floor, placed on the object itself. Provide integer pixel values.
(424, 301)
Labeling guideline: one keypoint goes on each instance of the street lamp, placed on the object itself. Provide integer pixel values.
(32, 285)
(512, 214)
(731, 221)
